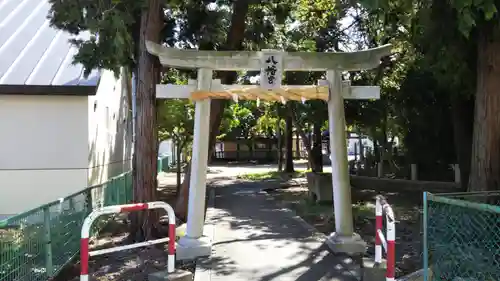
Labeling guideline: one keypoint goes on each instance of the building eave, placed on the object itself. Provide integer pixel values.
(48, 90)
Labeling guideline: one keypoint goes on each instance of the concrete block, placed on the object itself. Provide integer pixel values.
(352, 245)
(190, 249)
(320, 186)
(416, 276)
(373, 271)
(177, 275)
(400, 185)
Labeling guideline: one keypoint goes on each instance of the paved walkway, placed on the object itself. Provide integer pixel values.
(255, 240)
(217, 171)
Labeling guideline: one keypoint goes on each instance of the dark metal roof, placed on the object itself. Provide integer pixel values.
(34, 54)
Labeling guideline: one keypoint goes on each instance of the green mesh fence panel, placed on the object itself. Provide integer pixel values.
(166, 163)
(159, 165)
(463, 236)
(37, 244)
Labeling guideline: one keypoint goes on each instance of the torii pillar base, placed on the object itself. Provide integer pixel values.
(191, 248)
(351, 245)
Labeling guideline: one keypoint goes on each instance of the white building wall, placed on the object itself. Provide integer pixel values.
(110, 131)
(42, 149)
(53, 146)
(166, 147)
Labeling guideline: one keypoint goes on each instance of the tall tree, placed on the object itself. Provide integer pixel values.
(485, 160)
(120, 30)
(234, 41)
(479, 56)
(442, 47)
(146, 141)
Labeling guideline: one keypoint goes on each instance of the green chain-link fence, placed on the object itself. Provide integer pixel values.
(462, 236)
(36, 245)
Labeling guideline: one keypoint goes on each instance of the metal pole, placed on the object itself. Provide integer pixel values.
(424, 244)
(85, 254)
(48, 242)
(378, 227)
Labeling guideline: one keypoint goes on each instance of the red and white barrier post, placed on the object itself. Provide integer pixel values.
(378, 227)
(84, 241)
(388, 245)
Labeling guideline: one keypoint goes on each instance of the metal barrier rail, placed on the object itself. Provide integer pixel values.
(381, 243)
(84, 241)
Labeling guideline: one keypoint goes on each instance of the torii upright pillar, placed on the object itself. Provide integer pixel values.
(194, 243)
(270, 63)
(344, 239)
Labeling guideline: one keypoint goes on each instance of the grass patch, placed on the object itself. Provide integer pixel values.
(364, 210)
(273, 175)
(321, 216)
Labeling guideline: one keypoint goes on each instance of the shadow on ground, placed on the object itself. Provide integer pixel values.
(256, 239)
(406, 205)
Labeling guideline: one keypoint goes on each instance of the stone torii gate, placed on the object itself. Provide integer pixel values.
(271, 63)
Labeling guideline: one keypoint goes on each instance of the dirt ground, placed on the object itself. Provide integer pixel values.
(407, 209)
(138, 263)
(129, 265)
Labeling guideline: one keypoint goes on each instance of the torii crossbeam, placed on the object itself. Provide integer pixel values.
(271, 63)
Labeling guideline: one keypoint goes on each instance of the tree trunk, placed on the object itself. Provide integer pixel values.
(361, 149)
(485, 160)
(250, 144)
(376, 150)
(146, 142)
(379, 167)
(289, 140)
(238, 148)
(234, 42)
(297, 144)
(462, 111)
(280, 144)
(178, 152)
(306, 139)
(316, 151)
(361, 163)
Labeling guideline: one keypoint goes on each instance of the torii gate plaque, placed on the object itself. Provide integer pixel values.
(271, 63)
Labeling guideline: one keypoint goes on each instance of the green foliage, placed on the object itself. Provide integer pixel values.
(175, 120)
(316, 13)
(430, 49)
(239, 120)
(472, 12)
(272, 175)
(114, 22)
(267, 124)
(417, 83)
(175, 117)
(424, 114)
(247, 120)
